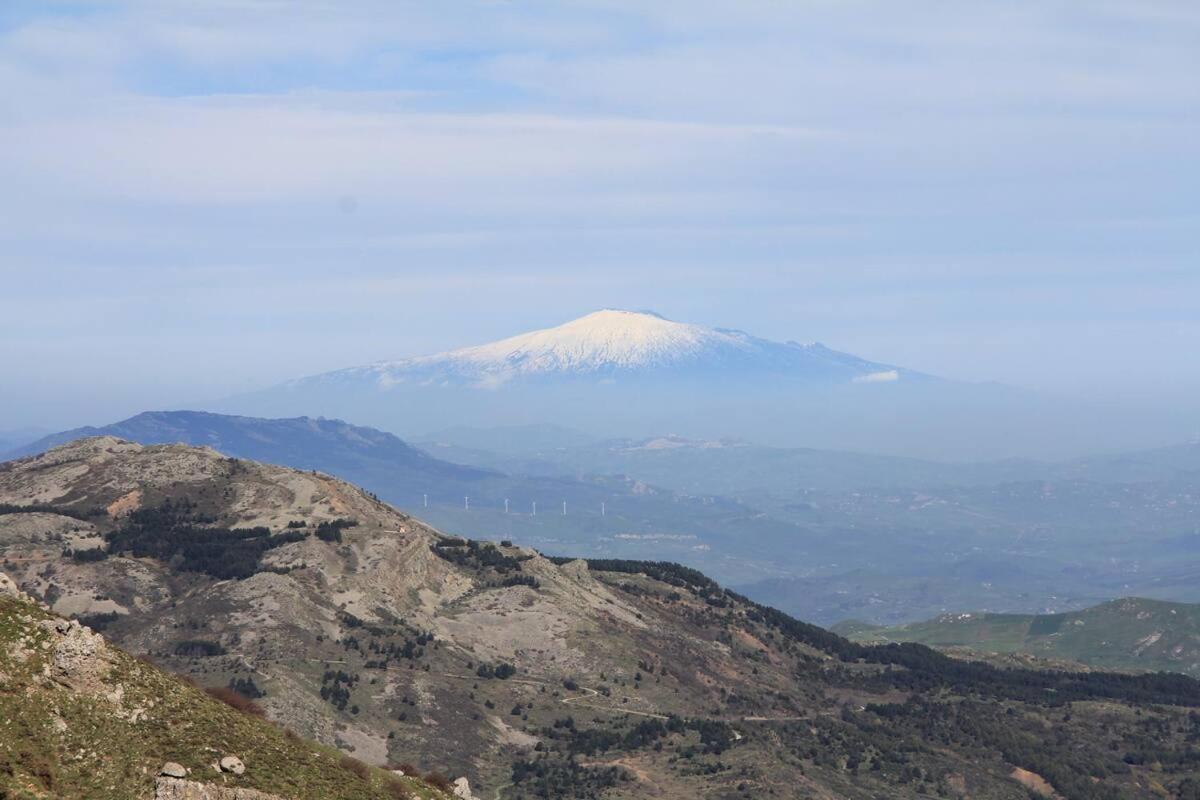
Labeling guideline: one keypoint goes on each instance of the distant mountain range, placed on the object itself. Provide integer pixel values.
(12, 439)
(302, 443)
(739, 468)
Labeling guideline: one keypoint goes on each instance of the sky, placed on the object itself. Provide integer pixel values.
(204, 198)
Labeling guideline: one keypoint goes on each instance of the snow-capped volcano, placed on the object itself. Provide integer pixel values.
(626, 373)
(600, 341)
(611, 343)
(636, 375)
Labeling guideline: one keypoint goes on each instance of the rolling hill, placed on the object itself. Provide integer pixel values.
(1130, 633)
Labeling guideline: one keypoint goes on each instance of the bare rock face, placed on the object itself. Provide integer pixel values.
(462, 789)
(80, 658)
(176, 789)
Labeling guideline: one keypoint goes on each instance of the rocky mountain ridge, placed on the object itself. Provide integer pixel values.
(533, 677)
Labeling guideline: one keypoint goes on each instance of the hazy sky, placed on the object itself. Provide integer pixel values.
(209, 196)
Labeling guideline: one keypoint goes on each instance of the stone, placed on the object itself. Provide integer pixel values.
(232, 764)
(462, 789)
(173, 770)
(177, 789)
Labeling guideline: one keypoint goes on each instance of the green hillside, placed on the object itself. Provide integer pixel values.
(81, 719)
(1130, 633)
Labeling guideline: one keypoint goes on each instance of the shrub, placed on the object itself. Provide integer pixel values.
(332, 531)
(89, 556)
(503, 670)
(98, 622)
(439, 781)
(234, 700)
(246, 687)
(198, 648)
(351, 764)
(396, 789)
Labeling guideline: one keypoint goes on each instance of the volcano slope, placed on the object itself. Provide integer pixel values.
(358, 626)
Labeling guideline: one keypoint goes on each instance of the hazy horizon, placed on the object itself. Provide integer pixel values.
(217, 198)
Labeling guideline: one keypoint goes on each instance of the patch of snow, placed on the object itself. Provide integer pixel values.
(885, 376)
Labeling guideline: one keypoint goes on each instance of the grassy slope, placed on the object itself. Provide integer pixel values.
(102, 756)
(1130, 633)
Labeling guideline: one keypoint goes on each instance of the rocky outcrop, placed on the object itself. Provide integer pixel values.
(80, 659)
(9, 588)
(176, 789)
(462, 789)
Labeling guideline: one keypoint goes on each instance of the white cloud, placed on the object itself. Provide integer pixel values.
(252, 149)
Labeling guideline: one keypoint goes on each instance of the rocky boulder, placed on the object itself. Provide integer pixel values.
(232, 764)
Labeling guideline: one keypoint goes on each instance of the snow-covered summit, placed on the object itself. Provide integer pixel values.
(612, 343)
(601, 341)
